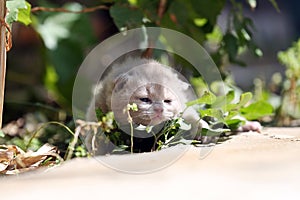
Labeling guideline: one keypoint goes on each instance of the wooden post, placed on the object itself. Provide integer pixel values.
(2, 56)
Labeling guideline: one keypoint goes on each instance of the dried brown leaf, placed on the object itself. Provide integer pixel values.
(14, 160)
(5, 158)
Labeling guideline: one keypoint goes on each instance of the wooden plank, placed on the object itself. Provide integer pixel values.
(2, 56)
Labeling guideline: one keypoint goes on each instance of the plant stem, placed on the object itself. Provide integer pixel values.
(43, 126)
(131, 137)
(71, 146)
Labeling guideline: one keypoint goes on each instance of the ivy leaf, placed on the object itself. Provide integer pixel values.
(231, 45)
(233, 124)
(245, 98)
(19, 11)
(57, 26)
(231, 114)
(257, 110)
(223, 100)
(208, 9)
(210, 112)
(124, 16)
(207, 98)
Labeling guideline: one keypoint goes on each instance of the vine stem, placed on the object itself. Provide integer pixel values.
(72, 144)
(85, 10)
(45, 125)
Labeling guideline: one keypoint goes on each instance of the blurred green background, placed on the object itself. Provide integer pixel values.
(242, 37)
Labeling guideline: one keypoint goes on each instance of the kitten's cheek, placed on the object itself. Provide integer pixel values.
(172, 109)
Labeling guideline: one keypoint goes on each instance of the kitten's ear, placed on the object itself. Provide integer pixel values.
(185, 85)
(120, 82)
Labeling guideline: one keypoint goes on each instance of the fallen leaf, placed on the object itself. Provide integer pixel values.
(14, 160)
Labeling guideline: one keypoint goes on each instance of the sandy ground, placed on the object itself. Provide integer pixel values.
(248, 166)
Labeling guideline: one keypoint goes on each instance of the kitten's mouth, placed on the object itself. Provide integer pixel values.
(151, 119)
(158, 115)
(158, 118)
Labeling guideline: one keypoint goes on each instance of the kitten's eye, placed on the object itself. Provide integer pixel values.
(145, 100)
(167, 101)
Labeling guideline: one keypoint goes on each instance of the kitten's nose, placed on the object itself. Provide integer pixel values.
(158, 108)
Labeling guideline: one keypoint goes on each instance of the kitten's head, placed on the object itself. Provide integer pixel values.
(156, 89)
(156, 104)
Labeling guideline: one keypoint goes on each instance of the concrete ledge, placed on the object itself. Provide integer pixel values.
(248, 166)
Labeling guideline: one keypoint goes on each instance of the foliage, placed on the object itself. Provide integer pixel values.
(198, 19)
(34, 130)
(219, 115)
(290, 106)
(65, 47)
(19, 11)
(57, 27)
(223, 112)
(62, 34)
(171, 133)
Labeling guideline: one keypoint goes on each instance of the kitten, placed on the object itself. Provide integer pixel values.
(158, 91)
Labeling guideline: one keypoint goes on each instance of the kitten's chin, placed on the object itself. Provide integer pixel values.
(150, 121)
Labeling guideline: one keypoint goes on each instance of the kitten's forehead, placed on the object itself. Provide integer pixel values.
(155, 91)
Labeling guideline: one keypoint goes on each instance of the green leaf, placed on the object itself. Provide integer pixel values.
(180, 15)
(120, 148)
(65, 59)
(99, 114)
(132, 2)
(223, 100)
(213, 132)
(24, 14)
(257, 110)
(234, 123)
(132, 107)
(208, 9)
(207, 98)
(19, 11)
(125, 16)
(58, 26)
(2, 134)
(184, 126)
(216, 35)
(291, 59)
(245, 98)
(210, 112)
(231, 45)
(275, 5)
(230, 96)
(231, 107)
(254, 49)
(231, 114)
(200, 21)
(252, 3)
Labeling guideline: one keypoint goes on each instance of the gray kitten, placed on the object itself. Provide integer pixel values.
(159, 92)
